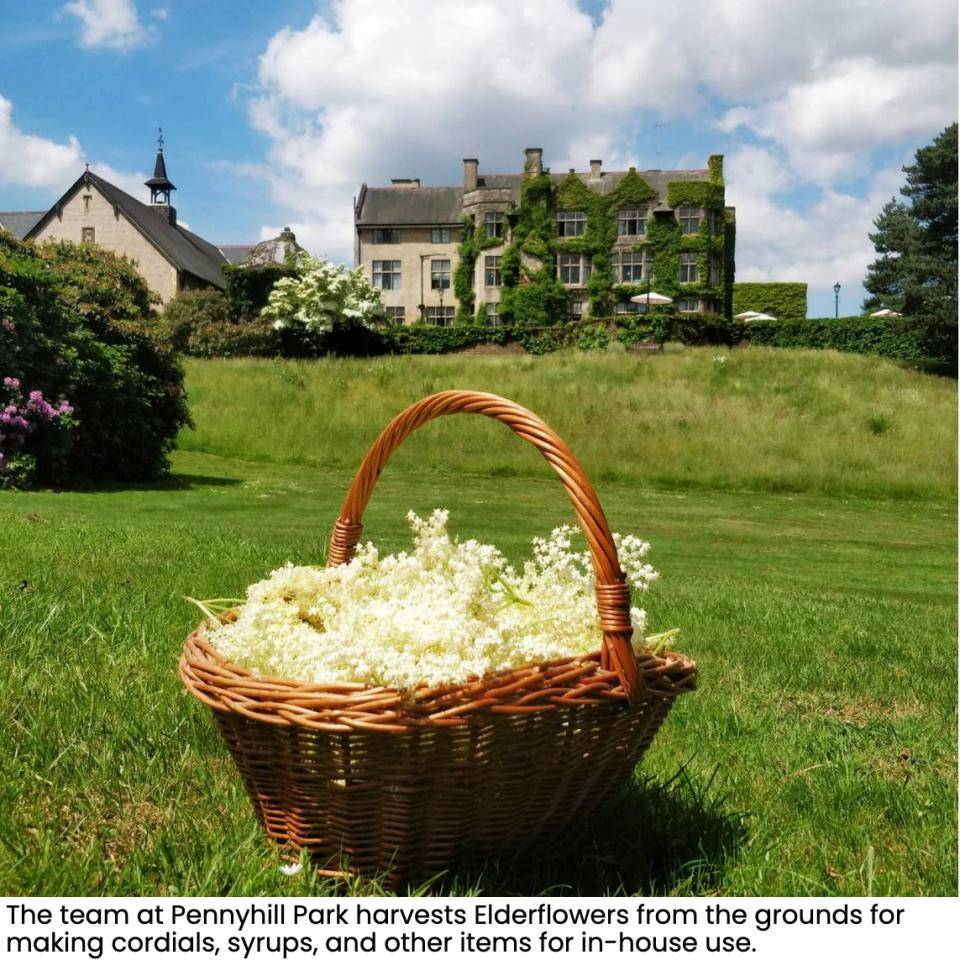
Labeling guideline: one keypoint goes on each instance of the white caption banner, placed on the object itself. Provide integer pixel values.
(299, 928)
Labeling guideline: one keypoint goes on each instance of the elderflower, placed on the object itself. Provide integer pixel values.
(441, 613)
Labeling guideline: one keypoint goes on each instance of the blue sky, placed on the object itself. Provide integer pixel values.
(275, 113)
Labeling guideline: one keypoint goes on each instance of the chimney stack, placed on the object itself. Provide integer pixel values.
(595, 169)
(165, 212)
(470, 166)
(534, 161)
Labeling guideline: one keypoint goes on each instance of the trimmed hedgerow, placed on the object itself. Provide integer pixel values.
(910, 339)
(782, 300)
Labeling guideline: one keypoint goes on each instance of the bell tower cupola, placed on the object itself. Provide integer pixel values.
(160, 185)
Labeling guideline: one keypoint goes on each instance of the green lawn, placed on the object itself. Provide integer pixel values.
(818, 755)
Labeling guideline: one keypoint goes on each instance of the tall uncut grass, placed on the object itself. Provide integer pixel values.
(762, 419)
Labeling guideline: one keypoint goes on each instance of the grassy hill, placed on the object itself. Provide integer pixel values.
(804, 524)
(762, 420)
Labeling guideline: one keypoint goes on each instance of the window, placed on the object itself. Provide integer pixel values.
(492, 311)
(396, 314)
(440, 235)
(716, 223)
(386, 236)
(87, 198)
(688, 305)
(689, 218)
(689, 272)
(627, 307)
(491, 272)
(386, 274)
(631, 222)
(439, 274)
(571, 223)
(87, 235)
(441, 316)
(576, 309)
(493, 224)
(568, 268)
(635, 266)
(573, 269)
(714, 270)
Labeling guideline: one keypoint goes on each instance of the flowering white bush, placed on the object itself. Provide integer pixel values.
(323, 295)
(441, 613)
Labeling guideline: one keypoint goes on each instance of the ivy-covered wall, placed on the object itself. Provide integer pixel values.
(785, 301)
(532, 296)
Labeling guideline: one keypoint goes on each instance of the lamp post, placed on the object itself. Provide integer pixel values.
(836, 300)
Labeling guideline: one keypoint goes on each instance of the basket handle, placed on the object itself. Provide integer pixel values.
(613, 594)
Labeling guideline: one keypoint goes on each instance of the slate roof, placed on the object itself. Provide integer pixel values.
(402, 205)
(19, 222)
(184, 249)
(160, 178)
(393, 206)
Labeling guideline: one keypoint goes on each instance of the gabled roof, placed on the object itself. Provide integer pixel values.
(184, 249)
(19, 222)
(404, 205)
(400, 206)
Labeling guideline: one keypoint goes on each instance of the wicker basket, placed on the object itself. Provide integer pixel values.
(376, 782)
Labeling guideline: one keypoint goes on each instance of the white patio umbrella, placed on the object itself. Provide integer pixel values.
(654, 299)
(750, 315)
(886, 313)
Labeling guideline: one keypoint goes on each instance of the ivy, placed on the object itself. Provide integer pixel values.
(472, 244)
(532, 296)
(715, 168)
(695, 193)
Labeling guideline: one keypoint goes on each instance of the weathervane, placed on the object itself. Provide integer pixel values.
(160, 138)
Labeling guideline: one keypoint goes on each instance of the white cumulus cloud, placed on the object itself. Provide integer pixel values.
(27, 160)
(114, 24)
(799, 94)
(32, 161)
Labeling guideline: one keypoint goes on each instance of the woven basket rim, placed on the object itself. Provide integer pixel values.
(532, 687)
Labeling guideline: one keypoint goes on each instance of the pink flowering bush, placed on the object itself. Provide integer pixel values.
(34, 434)
(77, 322)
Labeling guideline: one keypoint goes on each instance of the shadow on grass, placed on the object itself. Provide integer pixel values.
(175, 481)
(651, 838)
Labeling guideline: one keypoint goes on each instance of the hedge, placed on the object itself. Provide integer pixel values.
(785, 301)
(247, 288)
(914, 340)
(422, 338)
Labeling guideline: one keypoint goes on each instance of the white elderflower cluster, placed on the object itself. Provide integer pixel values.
(444, 612)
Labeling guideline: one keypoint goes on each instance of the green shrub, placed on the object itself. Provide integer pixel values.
(423, 338)
(701, 329)
(198, 323)
(248, 288)
(76, 323)
(911, 339)
(785, 301)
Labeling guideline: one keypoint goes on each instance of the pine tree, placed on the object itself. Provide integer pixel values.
(916, 270)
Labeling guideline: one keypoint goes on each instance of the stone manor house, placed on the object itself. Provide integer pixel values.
(408, 238)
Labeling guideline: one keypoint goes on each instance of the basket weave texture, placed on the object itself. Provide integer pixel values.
(373, 780)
